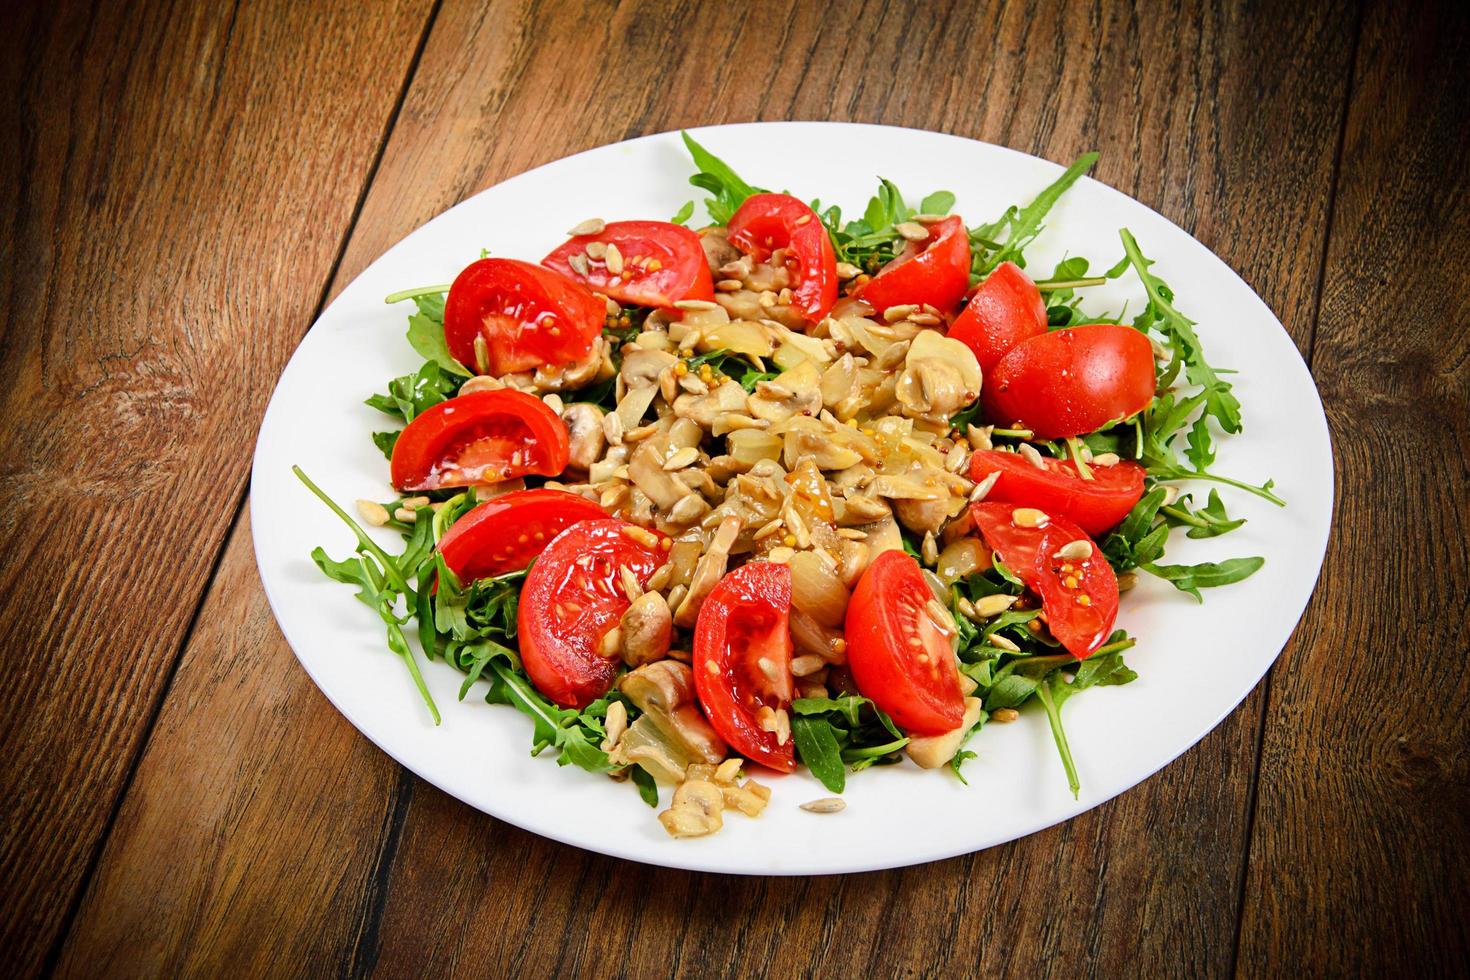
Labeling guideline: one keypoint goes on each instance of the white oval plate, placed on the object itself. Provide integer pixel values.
(1195, 663)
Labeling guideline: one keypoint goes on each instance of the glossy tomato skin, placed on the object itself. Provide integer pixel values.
(528, 317)
(766, 222)
(1095, 505)
(571, 598)
(663, 263)
(504, 533)
(1004, 310)
(743, 621)
(1073, 381)
(1079, 596)
(935, 271)
(916, 683)
(482, 437)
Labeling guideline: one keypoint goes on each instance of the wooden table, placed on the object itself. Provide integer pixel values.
(189, 183)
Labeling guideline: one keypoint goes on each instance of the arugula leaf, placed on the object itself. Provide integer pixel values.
(647, 788)
(412, 394)
(682, 215)
(385, 441)
(817, 746)
(716, 177)
(1206, 575)
(426, 337)
(1021, 226)
(939, 202)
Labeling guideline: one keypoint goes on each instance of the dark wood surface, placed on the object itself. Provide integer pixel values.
(191, 181)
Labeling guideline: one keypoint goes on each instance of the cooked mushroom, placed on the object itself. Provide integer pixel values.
(642, 366)
(708, 572)
(793, 392)
(695, 810)
(717, 248)
(704, 409)
(940, 376)
(671, 733)
(584, 433)
(647, 626)
(933, 751)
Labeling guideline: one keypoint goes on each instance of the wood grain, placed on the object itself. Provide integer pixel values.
(1225, 121)
(175, 195)
(1358, 865)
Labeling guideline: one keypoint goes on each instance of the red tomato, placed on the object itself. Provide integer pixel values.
(504, 533)
(1095, 505)
(742, 660)
(935, 271)
(662, 264)
(1079, 596)
(899, 656)
(483, 437)
(1003, 310)
(766, 222)
(504, 316)
(1073, 381)
(572, 596)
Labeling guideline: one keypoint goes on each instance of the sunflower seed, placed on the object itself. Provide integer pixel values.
(912, 231)
(612, 428)
(592, 226)
(642, 535)
(983, 488)
(372, 512)
(578, 262)
(630, 585)
(614, 260)
(830, 804)
(1030, 454)
(1004, 642)
(696, 304)
(1075, 550)
(993, 605)
(1106, 459)
(681, 458)
(611, 644)
(1029, 517)
(895, 313)
(846, 270)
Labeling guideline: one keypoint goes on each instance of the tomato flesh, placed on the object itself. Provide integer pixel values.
(1078, 595)
(572, 596)
(935, 271)
(1003, 310)
(1095, 505)
(504, 533)
(899, 655)
(1073, 381)
(504, 316)
(482, 437)
(766, 222)
(742, 660)
(661, 264)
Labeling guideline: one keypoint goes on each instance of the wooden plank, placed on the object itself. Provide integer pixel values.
(463, 891)
(1358, 862)
(165, 244)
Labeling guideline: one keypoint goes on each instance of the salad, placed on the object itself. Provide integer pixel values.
(791, 489)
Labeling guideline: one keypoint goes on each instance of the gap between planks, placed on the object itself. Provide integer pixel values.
(53, 956)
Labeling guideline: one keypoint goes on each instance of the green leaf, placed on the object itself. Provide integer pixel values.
(817, 746)
(1024, 225)
(1054, 719)
(1206, 575)
(426, 337)
(385, 441)
(719, 179)
(937, 203)
(647, 788)
(682, 215)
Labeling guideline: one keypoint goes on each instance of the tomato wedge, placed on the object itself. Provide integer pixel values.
(660, 263)
(1078, 595)
(482, 437)
(1003, 310)
(1070, 382)
(742, 661)
(935, 271)
(1095, 505)
(503, 534)
(572, 596)
(766, 222)
(899, 656)
(504, 316)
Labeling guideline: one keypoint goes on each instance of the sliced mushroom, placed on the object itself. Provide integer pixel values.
(748, 337)
(933, 751)
(708, 572)
(793, 392)
(704, 409)
(717, 248)
(646, 471)
(584, 433)
(664, 692)
(940, 376)
(642, 366)
(647, 626)
(838, 380)
(695, 811)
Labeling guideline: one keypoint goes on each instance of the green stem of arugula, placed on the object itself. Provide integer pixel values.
(390, 567)
(404, 294)
(1052, 285)
(1054, 718)
(406, 653)
(1075, 448)
(874, 751)
(1182, 474)
(1013, 433)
